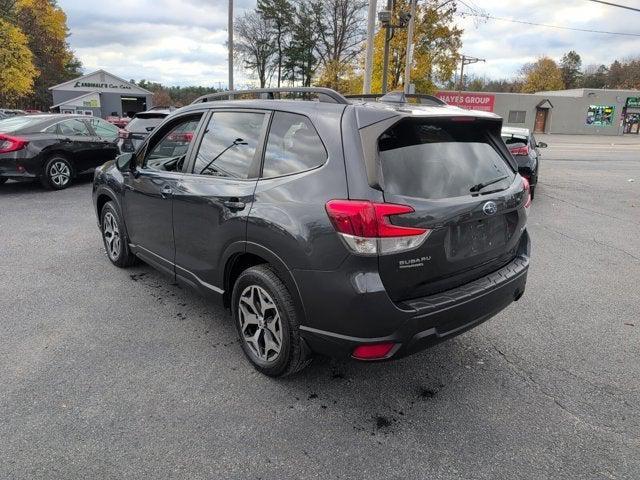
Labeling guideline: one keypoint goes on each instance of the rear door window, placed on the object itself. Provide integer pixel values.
(74, 128)
(293, 146)
(229, 144)
(435, 159)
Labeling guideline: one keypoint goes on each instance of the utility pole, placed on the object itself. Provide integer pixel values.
(368, 61)
(467, 60)
(230, 45)
(387, 40)
(409, 54)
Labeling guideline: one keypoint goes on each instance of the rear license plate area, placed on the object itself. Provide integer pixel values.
(477, 237)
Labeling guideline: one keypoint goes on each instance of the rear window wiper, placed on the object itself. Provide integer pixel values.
(479, 186)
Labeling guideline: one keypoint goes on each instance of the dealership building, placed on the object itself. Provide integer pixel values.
(581, 111)
(100, 94)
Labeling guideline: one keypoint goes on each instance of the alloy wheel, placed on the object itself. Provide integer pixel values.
(60, 173)
(260, 323)
(111, 234)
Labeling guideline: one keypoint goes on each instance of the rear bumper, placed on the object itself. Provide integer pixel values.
(19, 165)
(423, 322)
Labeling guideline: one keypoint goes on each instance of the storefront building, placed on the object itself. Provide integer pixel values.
(101, 94)
(581, 111)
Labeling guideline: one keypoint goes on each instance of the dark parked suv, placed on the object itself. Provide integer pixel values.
(364, 230)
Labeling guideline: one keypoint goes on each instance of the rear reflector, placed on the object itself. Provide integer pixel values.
(11, 144)
(366, 229)
(375, 351)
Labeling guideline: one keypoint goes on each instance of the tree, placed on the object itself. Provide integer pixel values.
(279, 14)
(17, 71)
(542, 75)
(301, 61)
(437, 42)
(255, 45)
(570, 66)
(7, 10)
(340, 25)
(595, 76)
(45, 25)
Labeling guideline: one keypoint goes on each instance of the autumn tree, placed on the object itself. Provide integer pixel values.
(437, 42)
(255, 45)
(544, 74)
(45, 25)
(8, 10)
(17, 71)
(571, 69)
(341, 33)
(279, 14)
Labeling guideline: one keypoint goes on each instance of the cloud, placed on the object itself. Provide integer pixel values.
(182, 42)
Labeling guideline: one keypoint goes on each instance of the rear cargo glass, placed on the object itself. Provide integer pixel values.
(435, 159)
(144, 124)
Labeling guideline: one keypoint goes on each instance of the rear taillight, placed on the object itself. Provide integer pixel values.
(527, 191)
(520, 150)
(366, 229)
(124, 134)
(11, 144)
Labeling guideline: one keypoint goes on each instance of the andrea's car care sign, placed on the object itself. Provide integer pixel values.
(469, 100)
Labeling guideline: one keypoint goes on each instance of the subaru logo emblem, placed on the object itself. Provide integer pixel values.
(490, 208)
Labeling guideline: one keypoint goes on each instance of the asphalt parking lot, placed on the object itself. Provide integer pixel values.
(108, 373)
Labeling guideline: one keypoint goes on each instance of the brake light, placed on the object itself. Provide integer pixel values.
(11, 144)
(520, 150)
(375, 351)
(463, 119)
(527, 189)
(366, 229)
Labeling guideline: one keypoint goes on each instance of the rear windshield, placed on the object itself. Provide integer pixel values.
(13, 124)
(144, 124)
(513, 139)
(434, 159)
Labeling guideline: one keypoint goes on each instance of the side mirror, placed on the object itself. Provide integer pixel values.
(124, 162)
(542, 145)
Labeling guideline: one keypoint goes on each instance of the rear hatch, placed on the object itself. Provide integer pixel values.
(141, 126)
(456, 174)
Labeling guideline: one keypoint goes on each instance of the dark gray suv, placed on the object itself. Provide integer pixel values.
(368, 230)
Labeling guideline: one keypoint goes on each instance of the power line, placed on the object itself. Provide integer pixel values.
(615, 5)
(552, 26)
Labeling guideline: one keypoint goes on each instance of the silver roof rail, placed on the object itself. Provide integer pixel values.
(324, 94)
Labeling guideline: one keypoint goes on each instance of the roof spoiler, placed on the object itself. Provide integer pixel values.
(401, 98)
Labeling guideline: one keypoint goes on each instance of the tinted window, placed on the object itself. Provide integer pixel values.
(104, 129)
(144, 124)
(74, 127)
(439, 159)
(512, 139)
(229, 144)
(168, 148)
(293, 146)
(53, 129)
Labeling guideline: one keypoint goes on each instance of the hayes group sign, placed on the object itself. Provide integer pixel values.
(469, 100)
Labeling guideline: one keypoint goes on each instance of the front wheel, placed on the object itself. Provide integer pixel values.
(267, 323)
(114, 238)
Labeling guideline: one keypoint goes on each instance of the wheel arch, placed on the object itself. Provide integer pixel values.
(255, 254)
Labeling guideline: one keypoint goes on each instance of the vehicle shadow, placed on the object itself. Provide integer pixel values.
(12, 187)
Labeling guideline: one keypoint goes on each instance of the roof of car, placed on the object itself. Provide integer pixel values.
(515, 131)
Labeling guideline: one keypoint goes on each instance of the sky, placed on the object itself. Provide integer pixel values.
(182, 42)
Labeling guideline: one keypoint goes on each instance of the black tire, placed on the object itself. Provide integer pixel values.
(293, 355)
(532, 191)
(116, 244)
(58, 173)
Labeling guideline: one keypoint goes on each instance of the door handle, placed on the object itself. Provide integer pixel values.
(234, 204)
(166, 191)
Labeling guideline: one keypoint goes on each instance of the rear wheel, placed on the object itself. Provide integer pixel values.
(114, 238)
(57, 173)
(267, 323)
(532, 191)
